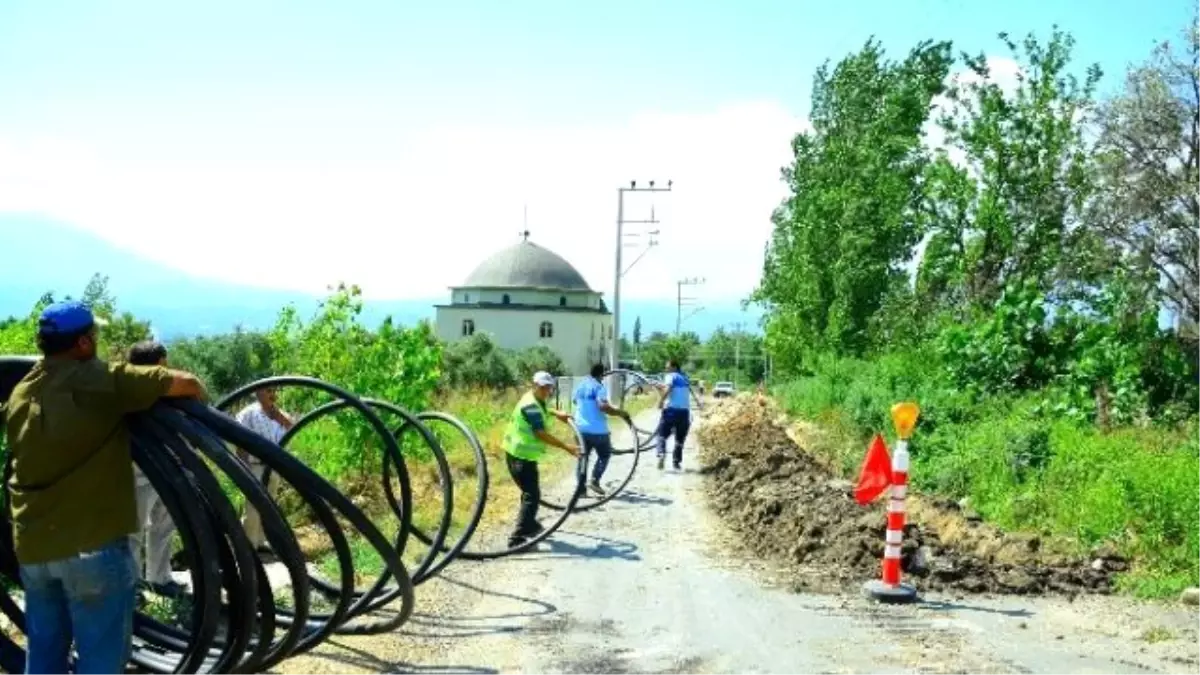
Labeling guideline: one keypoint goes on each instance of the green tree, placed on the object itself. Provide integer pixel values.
(657, 352)
(18, 334)
(399, 365)
(1148, 160)
(122, 332)
(719, 350)
(97, 296)
(625, 347)
(1007, 239)
(539, 357)
(225, 362)
(478, 362)
(1006, 214)
(637, 332)
(855, 211)
(734, 355)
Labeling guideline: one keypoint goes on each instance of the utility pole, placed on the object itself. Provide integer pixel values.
(614, 357)
(737, 351)
(680, 300)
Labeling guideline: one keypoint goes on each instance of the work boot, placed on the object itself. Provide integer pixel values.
(661, 461)
(594, 486)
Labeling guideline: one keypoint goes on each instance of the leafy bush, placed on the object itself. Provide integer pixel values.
(398, 365)
(1021, 467)
(539, 357)
(225, 362)
(477, 362)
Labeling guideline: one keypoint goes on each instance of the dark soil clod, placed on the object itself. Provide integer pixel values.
(786, 506)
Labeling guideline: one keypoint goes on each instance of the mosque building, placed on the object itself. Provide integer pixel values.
(526, 295)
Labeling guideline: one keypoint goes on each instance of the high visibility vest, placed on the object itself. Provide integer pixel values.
(519, 440)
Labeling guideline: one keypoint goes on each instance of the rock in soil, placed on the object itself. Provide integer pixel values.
(1190, 596)
(787, 507)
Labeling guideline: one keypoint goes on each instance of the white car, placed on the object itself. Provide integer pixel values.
(722, 389)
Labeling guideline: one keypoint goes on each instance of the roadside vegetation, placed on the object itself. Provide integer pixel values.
(1049, 331)
(474, 380)
(1015, 252)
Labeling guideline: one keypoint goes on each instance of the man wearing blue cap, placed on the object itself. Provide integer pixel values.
(72, 492)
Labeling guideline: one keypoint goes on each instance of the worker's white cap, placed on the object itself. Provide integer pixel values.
(543, 379)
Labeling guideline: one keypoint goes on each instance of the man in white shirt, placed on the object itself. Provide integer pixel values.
(266, 419)
(153, 538)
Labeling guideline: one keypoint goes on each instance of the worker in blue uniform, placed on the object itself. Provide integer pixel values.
(675, 401)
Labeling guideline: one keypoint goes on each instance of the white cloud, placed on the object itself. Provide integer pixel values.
(409, 215)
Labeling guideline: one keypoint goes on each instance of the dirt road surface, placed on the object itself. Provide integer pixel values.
(651, 583)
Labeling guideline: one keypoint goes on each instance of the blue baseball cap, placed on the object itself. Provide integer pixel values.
(64, 318)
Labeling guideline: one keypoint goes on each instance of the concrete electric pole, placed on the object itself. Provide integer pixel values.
(737, 352)
(680, 301)
(614, 358)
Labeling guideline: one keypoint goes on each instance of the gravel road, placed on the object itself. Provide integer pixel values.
(650, 583)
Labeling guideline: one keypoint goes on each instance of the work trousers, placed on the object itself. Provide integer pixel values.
(88, 599)
(252, 521)
(152, 541)
(674, 422)
(525, 473)
(602, 444)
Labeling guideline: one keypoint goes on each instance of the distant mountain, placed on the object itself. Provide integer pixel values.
(179, 305)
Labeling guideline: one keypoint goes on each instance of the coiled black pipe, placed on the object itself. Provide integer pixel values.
(642, 441)
(647, 436)
(581, 467)
(481, 488)
(582, 503)
(578, 502)
(381, 593)
(234, 625)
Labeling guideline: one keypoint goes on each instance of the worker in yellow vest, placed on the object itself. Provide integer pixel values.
(525, 442)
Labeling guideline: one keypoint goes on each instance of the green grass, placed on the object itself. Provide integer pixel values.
(171, 611)
(367, 563)
(484, 411)
(1135, 488)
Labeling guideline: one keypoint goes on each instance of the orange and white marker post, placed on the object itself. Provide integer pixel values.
(890, 589)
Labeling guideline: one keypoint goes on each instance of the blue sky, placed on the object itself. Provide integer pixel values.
(396, 144)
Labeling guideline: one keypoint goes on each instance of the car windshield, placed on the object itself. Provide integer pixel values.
(725, 385)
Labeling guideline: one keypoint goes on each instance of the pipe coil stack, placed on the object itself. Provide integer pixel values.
(235, 621)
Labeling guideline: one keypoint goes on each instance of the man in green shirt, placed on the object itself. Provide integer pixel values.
(72, 492)
(525, 441)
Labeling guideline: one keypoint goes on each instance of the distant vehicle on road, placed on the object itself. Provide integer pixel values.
(722, 389)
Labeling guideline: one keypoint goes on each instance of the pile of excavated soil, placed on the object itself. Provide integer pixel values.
(784, 505)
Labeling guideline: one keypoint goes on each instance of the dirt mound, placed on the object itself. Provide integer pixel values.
(787, 506)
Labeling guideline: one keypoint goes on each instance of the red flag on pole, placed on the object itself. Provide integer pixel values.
(876, 473)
